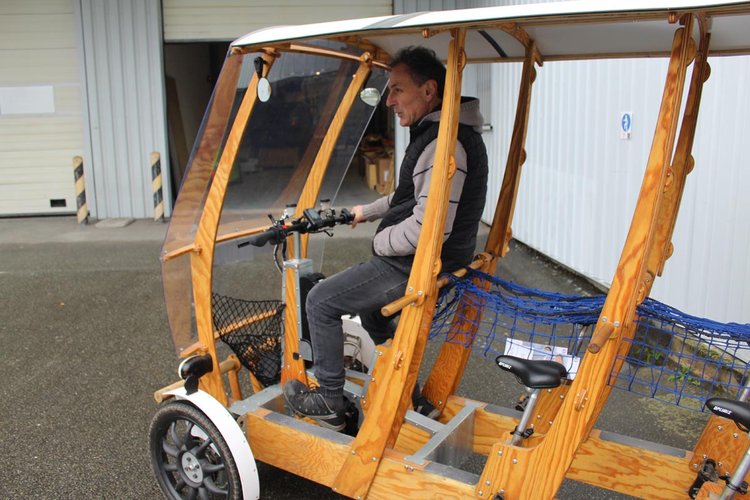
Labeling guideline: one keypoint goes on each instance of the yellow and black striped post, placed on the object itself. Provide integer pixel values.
(82, 209)
(156, 186)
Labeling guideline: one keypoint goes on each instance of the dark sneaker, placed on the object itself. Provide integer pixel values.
(310, 403)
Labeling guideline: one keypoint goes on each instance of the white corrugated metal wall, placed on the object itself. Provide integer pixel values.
(581, 181)
(122, 43)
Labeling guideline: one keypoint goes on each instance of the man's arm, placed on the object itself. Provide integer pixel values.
(371, 211)
(401, 238)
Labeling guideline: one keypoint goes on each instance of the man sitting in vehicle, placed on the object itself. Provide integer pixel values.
(415, 91)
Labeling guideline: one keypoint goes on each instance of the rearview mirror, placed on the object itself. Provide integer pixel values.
(264, 90)
(370, 96)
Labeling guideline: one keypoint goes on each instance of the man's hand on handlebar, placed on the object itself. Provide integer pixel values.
(358, 214)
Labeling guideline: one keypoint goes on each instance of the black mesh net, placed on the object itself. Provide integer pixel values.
(252, 329)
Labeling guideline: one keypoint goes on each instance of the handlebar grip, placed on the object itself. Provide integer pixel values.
(272, 234)
(346, 216)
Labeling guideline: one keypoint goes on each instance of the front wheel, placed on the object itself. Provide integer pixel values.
(190, 457)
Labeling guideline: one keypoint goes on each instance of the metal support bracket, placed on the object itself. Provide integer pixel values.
(452, 443)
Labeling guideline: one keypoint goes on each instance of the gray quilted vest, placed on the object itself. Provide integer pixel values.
(458, 249)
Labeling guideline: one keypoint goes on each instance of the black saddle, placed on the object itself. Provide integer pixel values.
(533, 373)
(737, 411)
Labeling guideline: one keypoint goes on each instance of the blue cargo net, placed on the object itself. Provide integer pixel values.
(512, 319)
(674, 357)
(682, 359)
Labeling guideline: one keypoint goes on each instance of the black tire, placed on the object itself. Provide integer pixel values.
(190, 457)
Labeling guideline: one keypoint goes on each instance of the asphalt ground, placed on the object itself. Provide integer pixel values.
(84, 343)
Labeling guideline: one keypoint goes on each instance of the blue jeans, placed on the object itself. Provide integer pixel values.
(361, 289)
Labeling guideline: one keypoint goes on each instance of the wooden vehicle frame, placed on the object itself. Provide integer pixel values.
(375, 463)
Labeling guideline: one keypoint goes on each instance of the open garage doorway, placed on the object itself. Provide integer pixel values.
(191, 70)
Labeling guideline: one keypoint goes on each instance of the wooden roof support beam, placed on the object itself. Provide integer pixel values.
(681, 165)
(449, 367)
(538, 472)
(390, 395)
(517, 32)
(633, 278)
(302, 48)
(683, 162)
(500, 233)
(377, 53)
(202, 262)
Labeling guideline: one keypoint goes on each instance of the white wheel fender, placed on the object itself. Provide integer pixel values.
(232, 434)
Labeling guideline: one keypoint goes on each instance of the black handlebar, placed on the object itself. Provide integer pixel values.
(312, 221)
(273, 235)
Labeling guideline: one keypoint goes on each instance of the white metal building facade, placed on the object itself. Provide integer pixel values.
(581, 180)
(86, 77)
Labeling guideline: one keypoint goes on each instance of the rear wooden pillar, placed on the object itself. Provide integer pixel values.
(721, 439)
(389, 396)
(682, 164)
(449, 367)
(538, 472)
(500, 234)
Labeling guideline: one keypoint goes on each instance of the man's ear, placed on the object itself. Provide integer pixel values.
(431, 89)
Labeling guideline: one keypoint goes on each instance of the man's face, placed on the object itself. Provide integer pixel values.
(410, 102)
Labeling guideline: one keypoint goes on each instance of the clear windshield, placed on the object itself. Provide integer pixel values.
(279, 146)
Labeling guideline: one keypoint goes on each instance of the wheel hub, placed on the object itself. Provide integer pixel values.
(191, 467)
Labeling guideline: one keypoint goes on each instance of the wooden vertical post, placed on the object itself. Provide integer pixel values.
(538, 472)
(451, 362)
(203, 258)
(294, 368)
(500, 234)
(674, 183)
(389, 397)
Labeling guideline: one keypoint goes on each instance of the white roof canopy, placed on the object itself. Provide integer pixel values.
(564, 30)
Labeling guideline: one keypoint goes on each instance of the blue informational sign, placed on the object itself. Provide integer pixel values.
(626, 124)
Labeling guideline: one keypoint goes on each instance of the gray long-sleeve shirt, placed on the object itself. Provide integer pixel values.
(401, 239)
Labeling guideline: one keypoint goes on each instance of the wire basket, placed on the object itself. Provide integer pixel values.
(252, 329)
